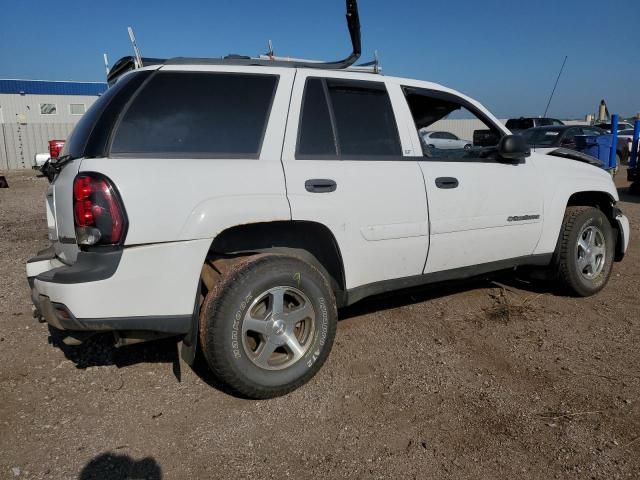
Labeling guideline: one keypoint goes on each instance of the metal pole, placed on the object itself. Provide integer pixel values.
(136, 50)
(633, 162)
(614, 143)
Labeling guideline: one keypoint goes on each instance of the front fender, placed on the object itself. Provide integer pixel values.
(563, 179)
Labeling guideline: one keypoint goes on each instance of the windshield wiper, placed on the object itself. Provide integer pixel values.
(62, 161)
(51, 169)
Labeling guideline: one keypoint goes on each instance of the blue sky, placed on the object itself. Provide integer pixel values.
(505, 53)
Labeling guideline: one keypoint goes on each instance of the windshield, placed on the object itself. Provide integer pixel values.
(541, 137)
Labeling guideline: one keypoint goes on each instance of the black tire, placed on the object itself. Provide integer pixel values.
(230, 307)
(578, 221)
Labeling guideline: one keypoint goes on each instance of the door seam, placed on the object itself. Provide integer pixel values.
(284, 139)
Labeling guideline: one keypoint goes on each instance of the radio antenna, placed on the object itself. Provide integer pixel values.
(136, 50)
(555, 86)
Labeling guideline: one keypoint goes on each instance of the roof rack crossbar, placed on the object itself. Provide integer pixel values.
(126, 64)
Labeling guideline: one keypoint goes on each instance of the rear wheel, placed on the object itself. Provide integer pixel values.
(268, 325)
(585, 251)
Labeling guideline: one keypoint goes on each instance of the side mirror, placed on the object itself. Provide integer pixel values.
(513, 148)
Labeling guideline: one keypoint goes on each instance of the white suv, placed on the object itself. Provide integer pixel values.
(238, 204)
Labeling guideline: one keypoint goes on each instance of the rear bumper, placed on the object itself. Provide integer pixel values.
(146, 288)
(58, 315)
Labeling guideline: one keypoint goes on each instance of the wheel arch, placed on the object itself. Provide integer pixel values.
(605, 202)
(313, 242)
(591, 196)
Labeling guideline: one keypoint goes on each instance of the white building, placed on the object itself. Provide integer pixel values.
(32, 112)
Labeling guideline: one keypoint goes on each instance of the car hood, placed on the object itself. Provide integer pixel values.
(575, 155)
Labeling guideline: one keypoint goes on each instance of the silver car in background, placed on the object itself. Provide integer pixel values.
(444, 140)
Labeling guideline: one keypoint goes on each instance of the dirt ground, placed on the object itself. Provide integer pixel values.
(463, 381)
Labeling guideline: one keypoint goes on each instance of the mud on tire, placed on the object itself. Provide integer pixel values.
(268, 325)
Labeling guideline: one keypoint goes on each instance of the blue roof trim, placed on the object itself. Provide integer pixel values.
(43, 87)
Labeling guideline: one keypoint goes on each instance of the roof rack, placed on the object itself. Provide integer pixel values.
(126, 64)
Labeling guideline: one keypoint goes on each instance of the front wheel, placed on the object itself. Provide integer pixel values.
(585, 251)
(268, 325)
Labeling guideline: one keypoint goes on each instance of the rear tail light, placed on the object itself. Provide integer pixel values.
(55, 147)
(99, 215)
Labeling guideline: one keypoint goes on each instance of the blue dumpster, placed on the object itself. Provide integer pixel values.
(598, 146)
(588, 144)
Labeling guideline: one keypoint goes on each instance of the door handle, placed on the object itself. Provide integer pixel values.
(446, 182)
(320, 185)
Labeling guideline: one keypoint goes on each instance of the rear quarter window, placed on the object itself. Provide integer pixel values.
(89, 137)
(198, 115)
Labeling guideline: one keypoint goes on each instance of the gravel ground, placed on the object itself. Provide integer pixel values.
(464, 381)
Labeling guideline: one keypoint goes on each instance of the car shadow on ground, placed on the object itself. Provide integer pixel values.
(113, 466)
(100, 349)
(626, 194)
(401, 298)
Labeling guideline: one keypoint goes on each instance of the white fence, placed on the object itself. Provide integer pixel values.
(19, 143)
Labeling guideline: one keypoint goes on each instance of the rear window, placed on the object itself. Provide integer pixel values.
(198, 115)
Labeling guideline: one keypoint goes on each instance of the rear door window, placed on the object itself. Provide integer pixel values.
(347, 119)
(198, 115)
